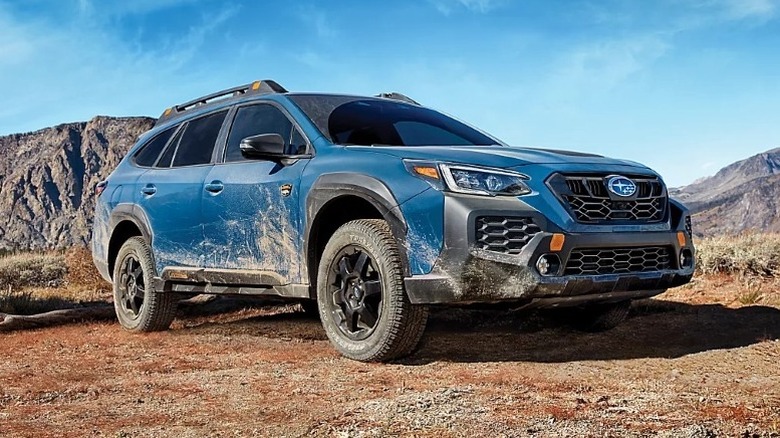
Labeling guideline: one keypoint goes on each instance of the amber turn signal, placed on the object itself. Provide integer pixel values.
(430, 172)
(681, 239)
(556, 244)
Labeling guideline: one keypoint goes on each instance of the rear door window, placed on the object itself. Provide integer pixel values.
(196, 145)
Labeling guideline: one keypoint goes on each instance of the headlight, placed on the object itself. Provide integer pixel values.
(470, 179)
(481, 181)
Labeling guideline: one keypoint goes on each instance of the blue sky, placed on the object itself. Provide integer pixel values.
(684, 86)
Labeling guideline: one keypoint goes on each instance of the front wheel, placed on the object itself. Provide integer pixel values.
(361, 297)
(138, 307)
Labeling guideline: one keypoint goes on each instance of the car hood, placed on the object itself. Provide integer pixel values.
(495, 156)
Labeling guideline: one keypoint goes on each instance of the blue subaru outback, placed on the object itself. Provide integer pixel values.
(368, 210)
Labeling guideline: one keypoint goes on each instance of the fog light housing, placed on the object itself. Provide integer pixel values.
(548, 265)
(686, 259)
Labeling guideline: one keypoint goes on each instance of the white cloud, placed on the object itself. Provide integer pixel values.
(446, 7)
(76, 69)
(121, 8)
(318, 20)
(761, 10)
(602, 65)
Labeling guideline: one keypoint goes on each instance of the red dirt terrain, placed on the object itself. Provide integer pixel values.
(677, 367)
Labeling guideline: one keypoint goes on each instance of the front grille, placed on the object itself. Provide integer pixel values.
(618, 261)
(588, 200)
(689, 225)
(507, 235)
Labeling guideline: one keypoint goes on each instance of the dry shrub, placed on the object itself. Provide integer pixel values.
(82, 271)
(745, 255)
(40, 270)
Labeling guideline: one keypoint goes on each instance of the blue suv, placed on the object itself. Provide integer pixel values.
(369, 210)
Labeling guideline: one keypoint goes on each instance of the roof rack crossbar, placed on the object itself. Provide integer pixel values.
(235, 91)
(257, 87)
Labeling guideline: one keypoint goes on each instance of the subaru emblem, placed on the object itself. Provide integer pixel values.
(621, 186)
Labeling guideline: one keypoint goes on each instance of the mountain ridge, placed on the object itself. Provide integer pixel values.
(48, 177)
(743, 196)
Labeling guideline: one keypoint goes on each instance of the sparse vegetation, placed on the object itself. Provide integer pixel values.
(748, 255)
(40, 282)
(32, 270)
(752, 291)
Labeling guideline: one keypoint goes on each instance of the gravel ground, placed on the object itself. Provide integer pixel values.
(677, 368)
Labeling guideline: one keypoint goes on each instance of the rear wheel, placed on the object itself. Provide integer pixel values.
(138, 307)
(361, 297)
(599, 317)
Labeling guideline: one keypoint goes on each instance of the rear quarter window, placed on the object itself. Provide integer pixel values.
(149, 152)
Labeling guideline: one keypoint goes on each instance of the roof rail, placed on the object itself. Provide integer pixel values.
(266, 86)
(398, 96)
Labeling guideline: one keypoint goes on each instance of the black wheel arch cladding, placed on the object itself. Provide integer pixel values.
(336, 187)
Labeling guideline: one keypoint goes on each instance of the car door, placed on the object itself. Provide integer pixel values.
(251, 214)
(171, 192)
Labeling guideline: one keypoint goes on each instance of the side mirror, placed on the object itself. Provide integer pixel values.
(268, 146)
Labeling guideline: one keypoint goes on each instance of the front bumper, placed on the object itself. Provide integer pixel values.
(464, 274)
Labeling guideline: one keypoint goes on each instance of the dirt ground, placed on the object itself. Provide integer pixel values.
(695, 362)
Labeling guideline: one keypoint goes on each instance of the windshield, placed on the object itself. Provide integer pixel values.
(380, 122)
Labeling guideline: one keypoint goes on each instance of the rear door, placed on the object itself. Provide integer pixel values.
(171, 191)
(250, 206)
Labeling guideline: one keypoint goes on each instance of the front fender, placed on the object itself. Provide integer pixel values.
(332, 186)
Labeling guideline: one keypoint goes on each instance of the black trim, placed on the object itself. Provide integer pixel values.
(465, 274)
(227, 281)
(131, 213)
(557, 184)
(330, 187)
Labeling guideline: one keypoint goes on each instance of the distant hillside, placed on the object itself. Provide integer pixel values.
(740, 197)
(47, 179)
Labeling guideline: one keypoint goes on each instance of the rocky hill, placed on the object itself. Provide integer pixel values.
(48, 177)
(740, 197)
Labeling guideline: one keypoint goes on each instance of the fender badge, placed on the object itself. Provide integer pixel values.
(286, 189)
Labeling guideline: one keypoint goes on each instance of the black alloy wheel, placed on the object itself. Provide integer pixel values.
(139, 307)
(356, 292)
(131, 286)
(361, 296)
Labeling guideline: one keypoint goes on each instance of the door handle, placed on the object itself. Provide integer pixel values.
(149, 190)
(214, 187)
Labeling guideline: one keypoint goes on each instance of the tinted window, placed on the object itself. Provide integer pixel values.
(151, 150)
(366, 121)
(197, 142)
(261, 119)
(298, 145)
(416, 133)
(167, 156)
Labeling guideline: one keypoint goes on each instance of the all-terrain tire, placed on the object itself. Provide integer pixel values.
(156, 309)
(599, 317)
(400, 324)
